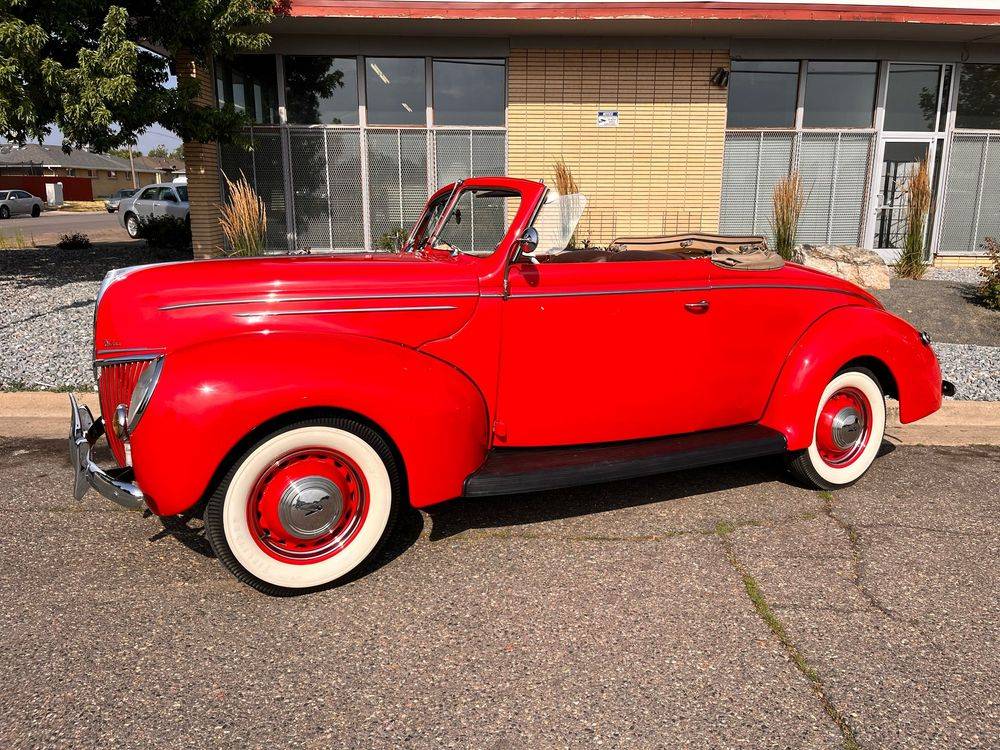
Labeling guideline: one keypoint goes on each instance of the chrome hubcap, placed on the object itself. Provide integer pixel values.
(848, 427)
(310, 506)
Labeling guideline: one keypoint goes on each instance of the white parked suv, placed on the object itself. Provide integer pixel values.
(167, 199)
(15, 202)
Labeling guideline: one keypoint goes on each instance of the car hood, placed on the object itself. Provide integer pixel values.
(410, 299)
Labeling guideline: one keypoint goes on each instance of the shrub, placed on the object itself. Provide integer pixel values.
(989, 287)
(244, 219)
(165, 231)
(75, 241)
(910, 264)
(788, 200)
(394, 240)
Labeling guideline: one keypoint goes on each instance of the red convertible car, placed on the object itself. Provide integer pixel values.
(299, 402)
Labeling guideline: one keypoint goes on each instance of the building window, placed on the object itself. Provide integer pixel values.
(395, 90)
(469, 92)
(840, 94)
(911, 102)
(321, 90)
(979, 97)
(250, 84)
(762, 93)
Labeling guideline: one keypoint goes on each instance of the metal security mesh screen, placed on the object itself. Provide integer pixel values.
(326, 180)
(753, 162)
(263, 167)
(972, 193)
(834, 168)
(473, 153)
(397, 182)
(316, 179)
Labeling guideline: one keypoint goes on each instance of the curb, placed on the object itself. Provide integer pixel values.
(44, 414)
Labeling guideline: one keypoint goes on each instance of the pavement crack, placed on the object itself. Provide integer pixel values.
(774, 624)
(857, 556)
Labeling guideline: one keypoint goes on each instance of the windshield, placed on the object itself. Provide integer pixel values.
(476, 225)
(557, 221)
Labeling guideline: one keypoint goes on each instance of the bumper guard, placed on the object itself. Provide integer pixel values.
(116, 485)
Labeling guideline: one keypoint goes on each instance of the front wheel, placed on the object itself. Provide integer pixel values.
(847, 432)
(306, 506)
(4, 212)
(132, 226)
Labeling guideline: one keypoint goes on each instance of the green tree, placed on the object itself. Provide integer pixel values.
(87, 66)
(158, 152)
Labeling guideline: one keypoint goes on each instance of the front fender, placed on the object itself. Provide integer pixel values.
(212, 395)
(839, 337)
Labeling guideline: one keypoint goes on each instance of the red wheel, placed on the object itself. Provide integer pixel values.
(849, 426)
(306, 506)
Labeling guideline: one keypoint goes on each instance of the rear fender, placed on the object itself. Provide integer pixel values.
(841, 336)
(211, 395)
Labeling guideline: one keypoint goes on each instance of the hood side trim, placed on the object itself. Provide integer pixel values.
(325, 298)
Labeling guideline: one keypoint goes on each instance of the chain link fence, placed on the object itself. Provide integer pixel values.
(357, 189)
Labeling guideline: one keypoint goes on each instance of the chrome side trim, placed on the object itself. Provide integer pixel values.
(665, 290)
(342, 310)
(328, 298)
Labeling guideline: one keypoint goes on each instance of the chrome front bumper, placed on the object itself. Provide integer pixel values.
(115, 484)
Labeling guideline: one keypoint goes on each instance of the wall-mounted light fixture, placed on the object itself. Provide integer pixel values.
(720, 78)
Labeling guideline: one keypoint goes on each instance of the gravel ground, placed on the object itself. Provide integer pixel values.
(612, 616)
(46, 324)
(975, 370)
(963, 275)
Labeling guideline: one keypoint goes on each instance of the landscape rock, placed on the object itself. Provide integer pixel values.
(862, 267)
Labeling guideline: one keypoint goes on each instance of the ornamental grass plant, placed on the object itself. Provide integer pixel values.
(910, 264)
(788, 200)
(243, 219)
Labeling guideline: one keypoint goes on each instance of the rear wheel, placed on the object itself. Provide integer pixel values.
(36, 211)
(132, 225)
(306, 506)
(847, 432)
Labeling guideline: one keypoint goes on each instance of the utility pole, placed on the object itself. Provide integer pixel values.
(131, 162)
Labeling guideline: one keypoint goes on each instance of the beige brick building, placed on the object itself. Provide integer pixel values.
(670, 116)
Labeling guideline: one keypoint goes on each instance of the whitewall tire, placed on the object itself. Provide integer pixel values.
(306, 506)
(847, 432)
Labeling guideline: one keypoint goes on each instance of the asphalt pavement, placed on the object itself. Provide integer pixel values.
(717, 608)
(45, 229)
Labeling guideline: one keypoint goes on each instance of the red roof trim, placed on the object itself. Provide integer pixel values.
(593, 11)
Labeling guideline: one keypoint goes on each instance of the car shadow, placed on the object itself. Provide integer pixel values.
(50, 266)
(464, 514)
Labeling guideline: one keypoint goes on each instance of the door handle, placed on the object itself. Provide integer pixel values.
(697, 307)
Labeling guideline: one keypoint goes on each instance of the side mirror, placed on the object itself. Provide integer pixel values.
(527, 243)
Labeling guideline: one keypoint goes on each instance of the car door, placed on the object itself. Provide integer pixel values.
(145, 205)
(169, 203)
(594, 352)
(22, 202)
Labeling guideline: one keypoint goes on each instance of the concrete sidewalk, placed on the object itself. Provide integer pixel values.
(43, 414)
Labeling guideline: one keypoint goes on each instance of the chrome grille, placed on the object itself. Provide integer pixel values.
(115, 383)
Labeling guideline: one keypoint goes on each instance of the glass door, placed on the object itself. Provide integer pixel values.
(900, 160)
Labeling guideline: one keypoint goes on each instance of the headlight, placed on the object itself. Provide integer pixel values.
(143, 391)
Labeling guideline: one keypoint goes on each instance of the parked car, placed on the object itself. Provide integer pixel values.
(299, 402)
(112, 203)
(153, 200)
(19, 202)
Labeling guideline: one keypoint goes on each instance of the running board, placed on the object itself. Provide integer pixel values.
(507, 471)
